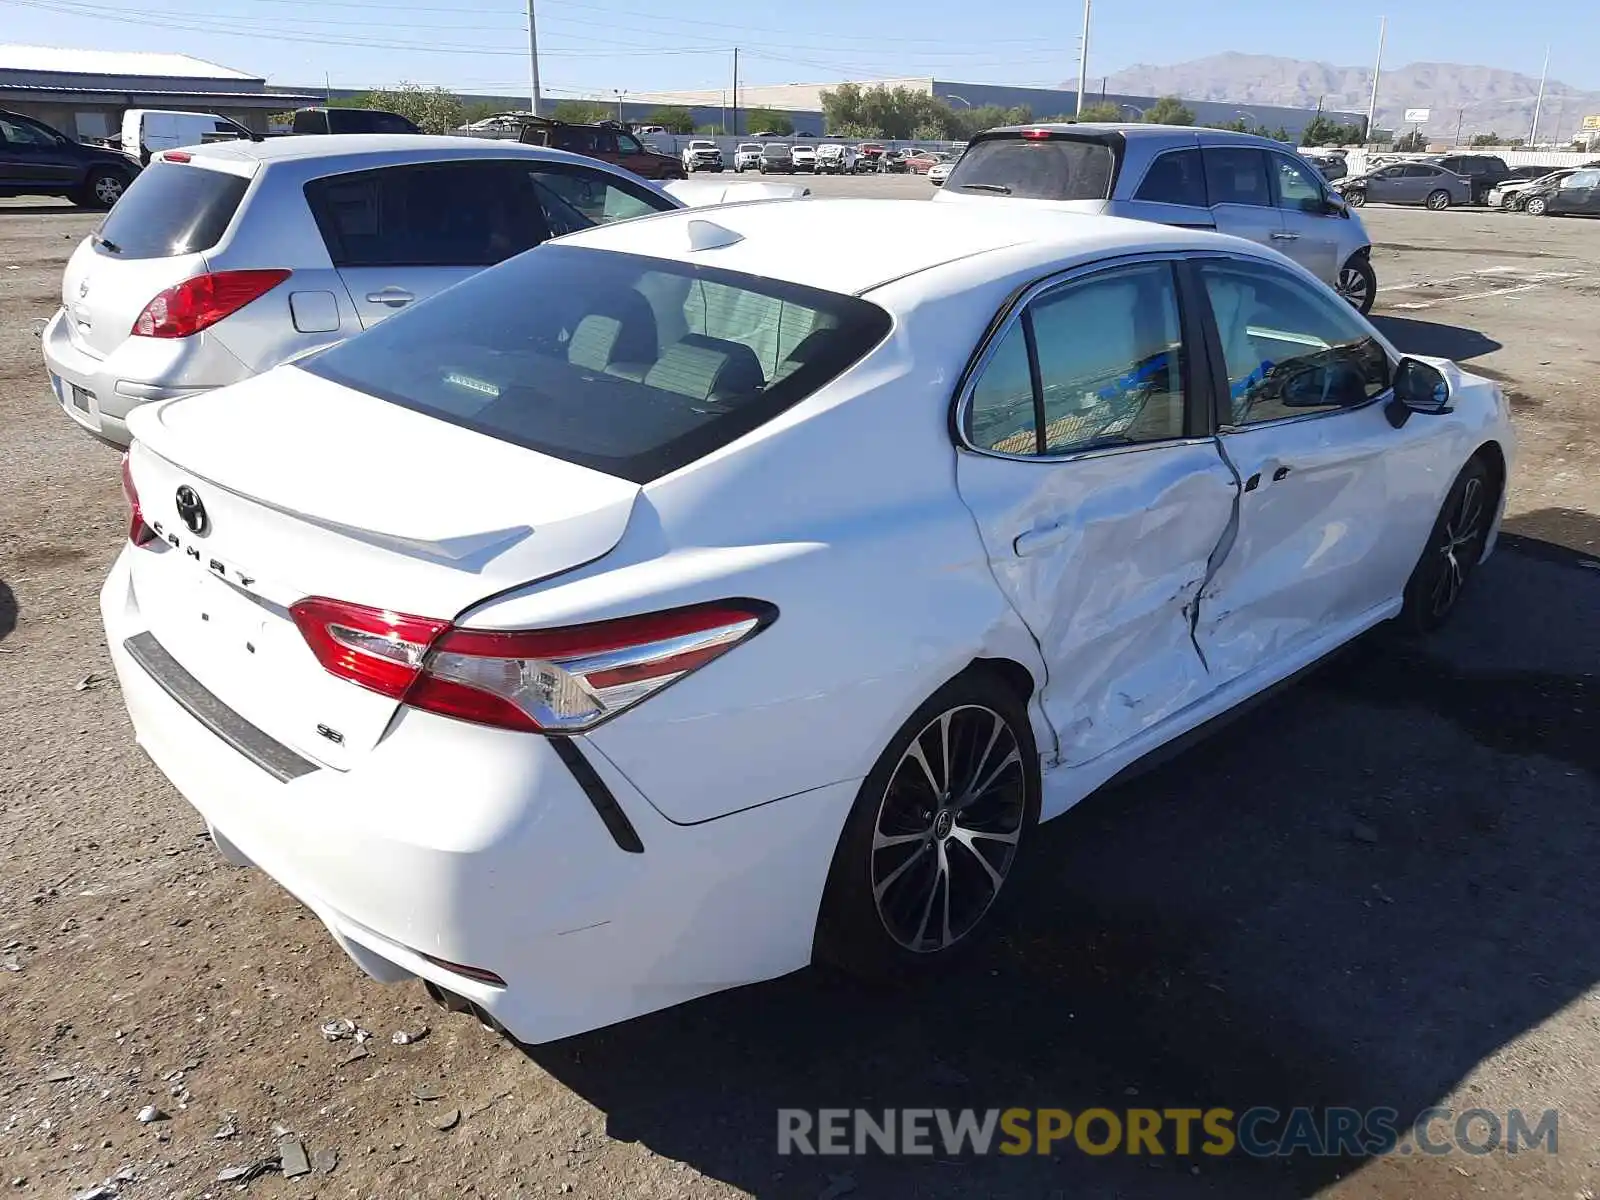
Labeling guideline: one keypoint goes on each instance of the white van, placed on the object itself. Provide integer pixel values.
(148, 131)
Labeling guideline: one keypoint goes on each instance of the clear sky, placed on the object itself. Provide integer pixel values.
(595, 46)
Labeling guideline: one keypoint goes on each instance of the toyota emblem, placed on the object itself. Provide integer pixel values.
(190, 510)
(83, 289)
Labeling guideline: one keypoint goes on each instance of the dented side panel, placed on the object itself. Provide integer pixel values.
(1333, 513)
(1104, 557)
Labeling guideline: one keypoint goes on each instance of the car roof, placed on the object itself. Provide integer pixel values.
(1136, 131)
(873, 242)
(398, 146)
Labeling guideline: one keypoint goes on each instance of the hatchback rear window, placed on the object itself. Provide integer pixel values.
(172, 209)
(1053, 168)
(628, 365)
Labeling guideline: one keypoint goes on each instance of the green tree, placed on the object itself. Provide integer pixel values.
(1169, 110)
(851, 110)
(1413, 141)
(1099, 112)
(710, 129)
(673, 118)
(1237, 125)
(582, 112)
(969, 122)
(359, 100)
(768, 120)
(432, 110)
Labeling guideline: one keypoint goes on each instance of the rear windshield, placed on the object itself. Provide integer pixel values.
(1055, 168)
(172, 209)
(632, 366)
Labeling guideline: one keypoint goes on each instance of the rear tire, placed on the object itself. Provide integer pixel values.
(1536, 207)
(936, 830)
(1454, 547)
(102, 189)
(1438, 201)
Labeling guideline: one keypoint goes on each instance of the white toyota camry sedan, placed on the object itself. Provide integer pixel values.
(673, 604)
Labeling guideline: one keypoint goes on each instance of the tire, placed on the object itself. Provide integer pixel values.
(1536, 207)
(1358, 283)
(890, 911)
(1356, 198)
(101, 189)
(1438, 201)
(1455, 544)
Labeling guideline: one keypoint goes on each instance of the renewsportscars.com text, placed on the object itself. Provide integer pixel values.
(1254, 1132)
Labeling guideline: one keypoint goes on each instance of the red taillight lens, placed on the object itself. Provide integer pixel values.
(177, 156)
(201, 302)
(541, 680)
(1036, 135)
(380, 650)
(138, 532)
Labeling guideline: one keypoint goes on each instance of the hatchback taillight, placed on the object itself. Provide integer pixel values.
(139, 533)
(542, 680)
(199, 303)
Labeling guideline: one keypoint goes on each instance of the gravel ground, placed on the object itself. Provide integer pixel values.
(1376, 889)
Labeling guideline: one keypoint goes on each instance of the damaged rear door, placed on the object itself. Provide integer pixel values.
(1101, 497)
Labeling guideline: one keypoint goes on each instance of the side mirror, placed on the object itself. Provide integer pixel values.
(1418, 388)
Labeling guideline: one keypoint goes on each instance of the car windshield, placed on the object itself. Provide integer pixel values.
(172, 209)
(1047, 168)
(628, 365)
(776, 150)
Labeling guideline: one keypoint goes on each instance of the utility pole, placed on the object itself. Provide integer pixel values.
(1083, 58)
(1377, 69)
(533, 58)
(1533, 133)
(1461, 115)
(735, 130)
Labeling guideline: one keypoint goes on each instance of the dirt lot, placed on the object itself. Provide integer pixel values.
(1378, 890)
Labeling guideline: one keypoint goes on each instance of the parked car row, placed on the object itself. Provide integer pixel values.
(1546, 187)
(1439, 182)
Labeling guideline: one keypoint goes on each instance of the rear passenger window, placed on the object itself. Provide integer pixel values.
(1107, 355)
(1237, 175)
(436, 214)
(1297, 187)
(1177, 177)
(573, 198)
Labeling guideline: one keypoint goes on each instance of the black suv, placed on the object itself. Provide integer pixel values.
(351, 120)
(1485, 171)
(35, 160)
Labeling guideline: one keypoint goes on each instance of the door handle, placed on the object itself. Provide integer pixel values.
(1284, 236)
(392, 296)
(1280, 474)
(1037, 541)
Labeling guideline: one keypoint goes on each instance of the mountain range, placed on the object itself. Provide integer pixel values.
(1483, 99)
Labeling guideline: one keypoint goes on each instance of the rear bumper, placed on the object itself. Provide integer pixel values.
(139, 371)
(479, 846)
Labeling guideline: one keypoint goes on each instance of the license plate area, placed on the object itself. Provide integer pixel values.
(81, 399)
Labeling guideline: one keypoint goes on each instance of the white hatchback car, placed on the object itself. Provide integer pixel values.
(225, 259)
(671, 603)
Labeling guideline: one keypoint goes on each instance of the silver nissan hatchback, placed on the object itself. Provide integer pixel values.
(1238, 183)
(223, 260)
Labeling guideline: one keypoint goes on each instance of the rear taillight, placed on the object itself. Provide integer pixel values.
(177, 156)
(201, 302)
(138, 532)
(542, 680)
(1036, 135)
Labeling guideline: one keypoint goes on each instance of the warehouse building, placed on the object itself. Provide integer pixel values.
(83, 93)
(802, 102)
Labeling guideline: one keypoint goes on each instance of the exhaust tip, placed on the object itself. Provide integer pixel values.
(448, 1001)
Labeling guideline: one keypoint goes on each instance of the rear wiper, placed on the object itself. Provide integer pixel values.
(999, 188)
(99, 239)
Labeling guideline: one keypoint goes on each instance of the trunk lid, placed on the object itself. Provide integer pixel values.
(313, 489)
(104, 295)
(156, 236)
